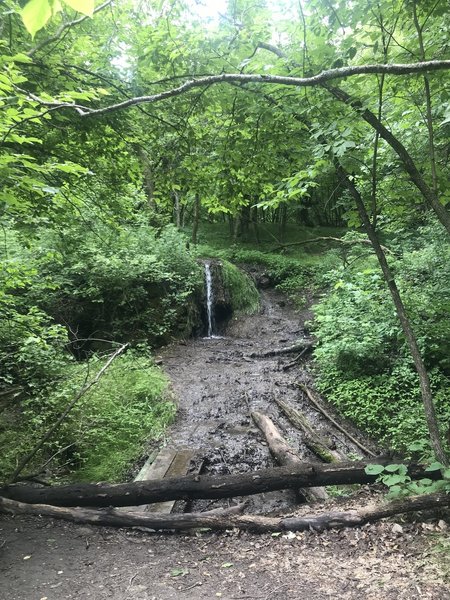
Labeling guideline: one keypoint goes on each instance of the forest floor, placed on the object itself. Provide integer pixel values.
(217, 385)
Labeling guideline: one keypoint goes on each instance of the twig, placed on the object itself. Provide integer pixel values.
(86, 387)
(65, 26)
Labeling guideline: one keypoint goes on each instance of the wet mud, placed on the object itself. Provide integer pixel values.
(217, 385)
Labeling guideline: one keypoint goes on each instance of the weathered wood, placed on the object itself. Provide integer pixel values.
(316, 443)
(284, 454)
(300, 346)
(196, 486)
(315, 400)
(228, 518)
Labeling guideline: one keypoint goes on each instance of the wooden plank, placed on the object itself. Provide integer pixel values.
(178, 467)
(155, 467)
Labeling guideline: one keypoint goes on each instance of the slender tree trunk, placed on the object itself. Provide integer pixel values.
(255, 225)
(429, 116)
(428, 194)
(149, 186)
(177, 209)
(283, 222)
(425, 387)
(196, 218)
(236, 224)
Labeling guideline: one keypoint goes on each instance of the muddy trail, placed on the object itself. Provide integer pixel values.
(217, 385)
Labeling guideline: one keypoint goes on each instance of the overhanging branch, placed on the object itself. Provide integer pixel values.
(321, 78)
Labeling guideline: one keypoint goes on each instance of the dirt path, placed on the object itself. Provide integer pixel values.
(217, 385)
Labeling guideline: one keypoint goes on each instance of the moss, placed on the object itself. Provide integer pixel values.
(243, 294)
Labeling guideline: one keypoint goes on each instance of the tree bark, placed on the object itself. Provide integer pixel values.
(196, 486)
(313, 397)
(313, 440)
(196, 218)
(227, 519)
(284, 454)
(303, 345)
(425, 386)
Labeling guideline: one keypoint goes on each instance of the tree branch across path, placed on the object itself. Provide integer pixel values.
(227, 519)
(314, 80)
(196, 486)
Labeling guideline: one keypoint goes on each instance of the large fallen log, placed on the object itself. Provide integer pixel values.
(300, 346)
(315, 442)
(284, 454)
(225, 520)
(197, 486)
(314, 398)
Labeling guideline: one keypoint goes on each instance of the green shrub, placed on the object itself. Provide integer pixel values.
(362, 359)
(108, 427)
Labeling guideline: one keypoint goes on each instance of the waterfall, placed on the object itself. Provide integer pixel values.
(209, 299)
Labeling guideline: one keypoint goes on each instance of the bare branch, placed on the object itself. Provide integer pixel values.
(320, 79)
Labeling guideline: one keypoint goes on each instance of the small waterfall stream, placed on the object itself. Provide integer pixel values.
(209, 300)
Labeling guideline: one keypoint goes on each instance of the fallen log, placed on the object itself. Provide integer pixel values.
(284, 454)
(228, 520)
(301, 346)
(196, 486)
(315, 400)
(316, 443)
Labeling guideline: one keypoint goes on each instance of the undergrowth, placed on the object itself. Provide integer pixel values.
(106, 430)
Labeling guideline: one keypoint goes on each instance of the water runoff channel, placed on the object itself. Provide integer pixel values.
(218, 382)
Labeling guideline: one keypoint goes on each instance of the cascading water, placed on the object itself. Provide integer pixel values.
(209, 300)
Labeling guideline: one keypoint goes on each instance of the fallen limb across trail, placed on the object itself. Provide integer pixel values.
(315, 442)
(228, 518)
(196, 486)
(298, 347)
(314, 398)
(285, 454)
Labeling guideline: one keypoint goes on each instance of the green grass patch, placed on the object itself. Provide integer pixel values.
(104, 433)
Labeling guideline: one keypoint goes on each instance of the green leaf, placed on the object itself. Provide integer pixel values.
(83, 6)
(392, 468)
(390, 480)
(35, 15)
(435, 466)
(179, 572)
(227, 565)
(374, 469)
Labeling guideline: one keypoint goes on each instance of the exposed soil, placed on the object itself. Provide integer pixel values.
(217, 386)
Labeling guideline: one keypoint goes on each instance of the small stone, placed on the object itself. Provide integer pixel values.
(396, 528)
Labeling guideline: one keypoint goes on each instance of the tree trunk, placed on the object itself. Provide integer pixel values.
(428, 194)
(284, 454)
(196, 218)
(427, 399)
(227, 518)
(196, 486)
(313, 441)
(177, 209)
